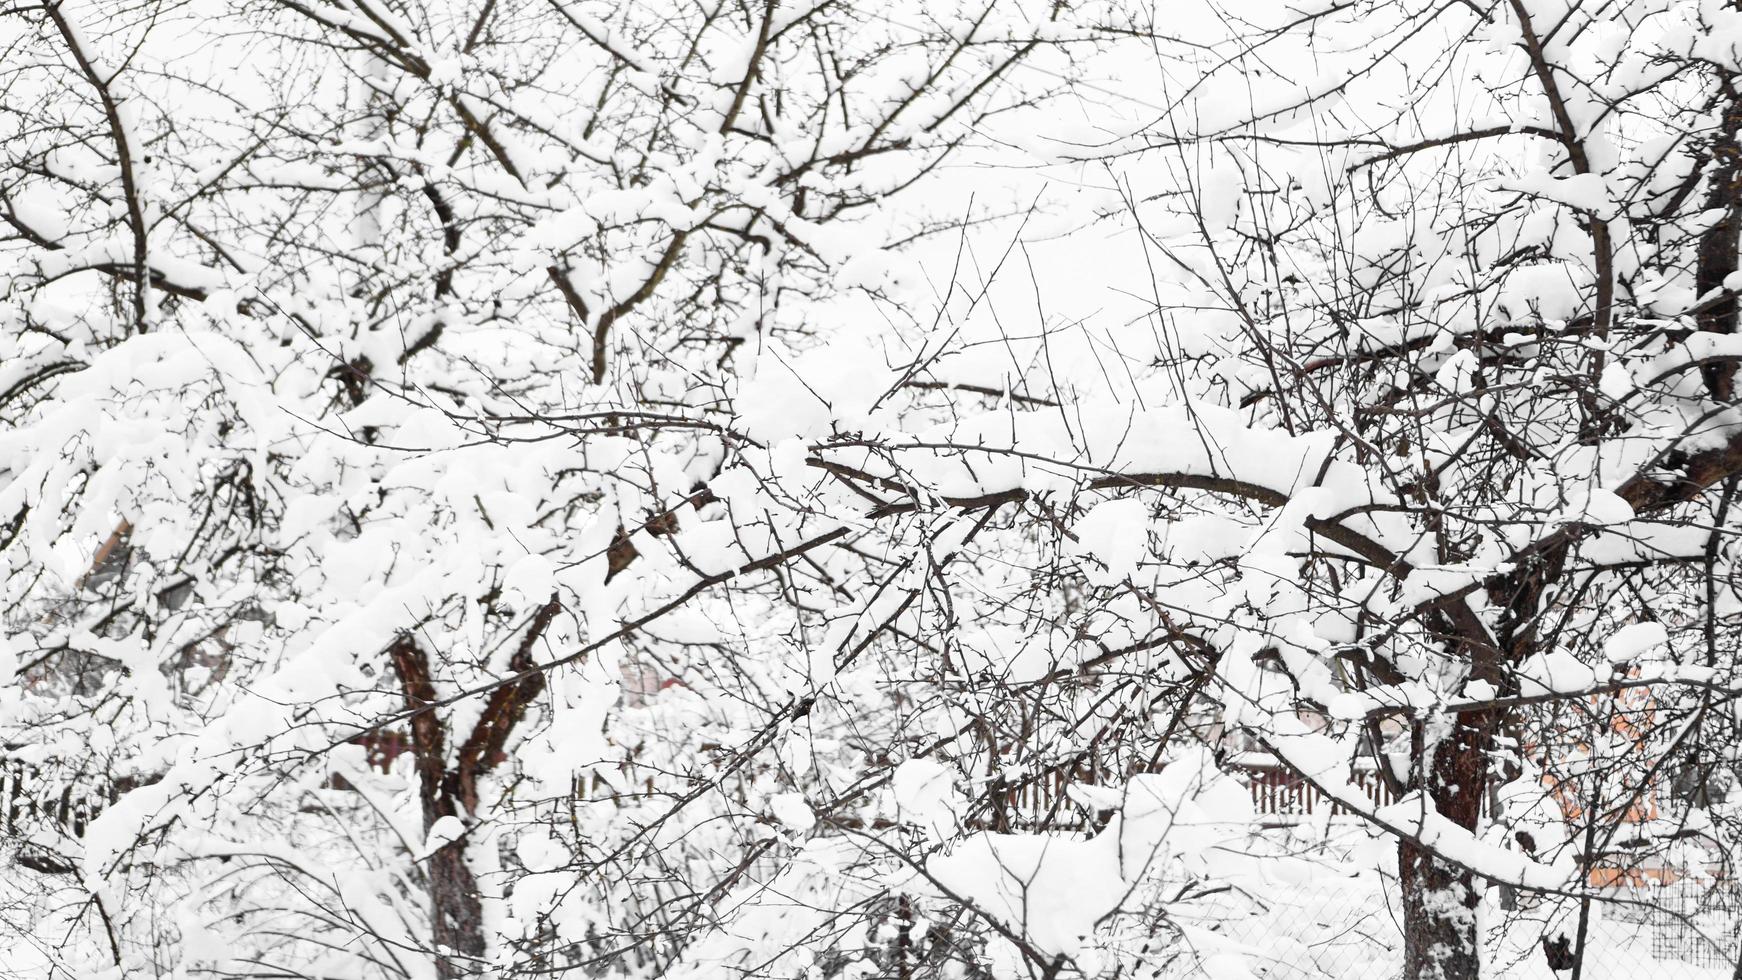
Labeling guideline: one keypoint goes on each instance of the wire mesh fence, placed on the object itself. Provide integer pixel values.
(1665, 924)
(1353, 930)
(1695, 923)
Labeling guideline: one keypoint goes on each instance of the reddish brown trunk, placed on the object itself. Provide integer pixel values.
(1440, 899)
(456, 910)
(456, 915)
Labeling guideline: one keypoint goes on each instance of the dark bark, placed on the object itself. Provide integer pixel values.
(456, 915)
(1718, 246)
(1441, 940)
(103, 84)
(450, 789)
(1439, 899)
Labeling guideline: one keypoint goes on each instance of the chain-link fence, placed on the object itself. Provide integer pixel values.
(1689, 922)
(1352, 929)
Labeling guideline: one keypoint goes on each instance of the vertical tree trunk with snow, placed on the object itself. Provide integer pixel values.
(448, 786)
(1441, 941)
(1718, 246)
(456, 914)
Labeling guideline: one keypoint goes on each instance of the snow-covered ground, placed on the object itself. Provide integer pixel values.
(1351, 929)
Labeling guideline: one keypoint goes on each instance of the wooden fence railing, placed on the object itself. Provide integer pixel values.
(1278, 792)
(1278, 795)
(31, 795)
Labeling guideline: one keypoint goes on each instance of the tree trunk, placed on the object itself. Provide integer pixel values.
(449, 788)
(456, 914)
(1440, 939)
(1718, 246)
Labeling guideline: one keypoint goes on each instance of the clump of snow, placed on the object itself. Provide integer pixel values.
(1555, 672)
(792, 810)
(442, 833)
(805, 395)
(925, 794)
(39, 212)
(1051, 889)
(1114, 535)
(1629, 643)
(1599, 508)
(1189, 808)
(1583, 192)
(1458, 373)
(1056, 890)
